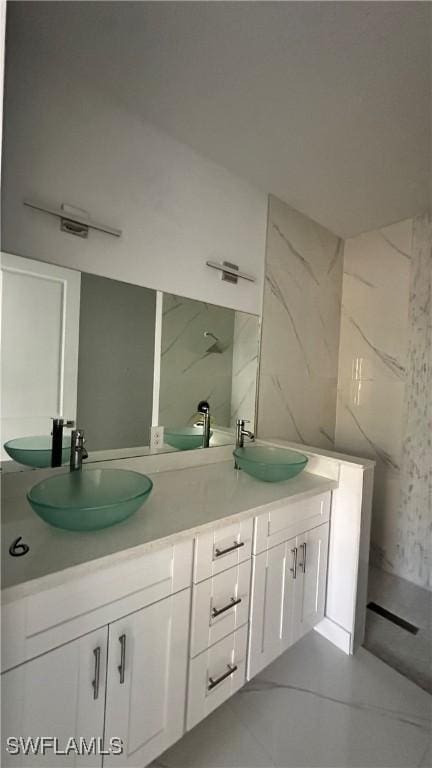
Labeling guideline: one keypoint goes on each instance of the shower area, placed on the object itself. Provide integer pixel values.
(346, 365)
(384, 411)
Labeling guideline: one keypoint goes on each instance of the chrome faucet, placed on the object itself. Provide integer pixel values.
(241, 433)
(57, 440)
(78, 450)
(204, 408)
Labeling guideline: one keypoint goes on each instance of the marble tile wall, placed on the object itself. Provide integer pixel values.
(370, 396)
(383, 387)
(195, 367)
(414, 522)
(244, 368)
(300, 333)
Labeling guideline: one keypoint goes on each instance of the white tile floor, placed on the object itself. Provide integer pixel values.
(409, 654)
(314, 706)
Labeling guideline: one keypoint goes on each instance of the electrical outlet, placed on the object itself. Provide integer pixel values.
(156, 438)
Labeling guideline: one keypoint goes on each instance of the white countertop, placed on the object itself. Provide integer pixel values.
(183, 502)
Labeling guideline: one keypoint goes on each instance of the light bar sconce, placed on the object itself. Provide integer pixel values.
(230, 272)
(74, 221)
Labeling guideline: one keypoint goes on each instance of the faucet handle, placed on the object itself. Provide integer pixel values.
(242, 432)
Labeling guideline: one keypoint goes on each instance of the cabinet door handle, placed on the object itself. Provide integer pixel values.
(303, 563)
(236, 545)
(121, 666)
(217, 611)
(212, 683)
(293, 568)
(96, 680)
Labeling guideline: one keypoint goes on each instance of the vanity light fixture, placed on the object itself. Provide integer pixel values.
(74, 221)
(230, 272)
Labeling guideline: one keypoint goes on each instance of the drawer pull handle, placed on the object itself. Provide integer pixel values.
(303, 563)
(121, 666)
(293, 568)
(217, 611)
(212, 683)
(236, 545)
(95, 682)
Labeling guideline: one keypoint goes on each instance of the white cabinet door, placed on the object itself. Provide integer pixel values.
(147, 672)
(311, 584)
(60, 694)
(288, 595)
(273, 591)
(39, 340)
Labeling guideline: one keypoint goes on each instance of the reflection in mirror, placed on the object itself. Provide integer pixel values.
(39, 342)
(76, 346)
(82, 347)
(207, 353)
(115, 363)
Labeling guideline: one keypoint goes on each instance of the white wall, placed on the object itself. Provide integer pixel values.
(67, 143)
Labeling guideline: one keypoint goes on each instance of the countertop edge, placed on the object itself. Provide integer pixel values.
(324, 453)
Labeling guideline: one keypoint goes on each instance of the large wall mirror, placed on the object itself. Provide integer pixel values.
(118, 358)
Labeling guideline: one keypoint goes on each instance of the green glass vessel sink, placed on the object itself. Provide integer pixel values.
(89, 499)
(35, 451)
(273, 465)
(184, 438)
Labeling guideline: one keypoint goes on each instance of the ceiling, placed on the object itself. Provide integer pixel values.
(326, 105)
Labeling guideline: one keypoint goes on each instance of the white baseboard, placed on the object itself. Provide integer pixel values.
(335, 634)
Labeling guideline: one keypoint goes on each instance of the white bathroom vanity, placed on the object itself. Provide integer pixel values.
(141, 630)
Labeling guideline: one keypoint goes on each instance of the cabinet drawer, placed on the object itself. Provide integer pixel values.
(289, 520)
(222, 548)
(54, 616)
(220, 606)
(215, 675)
